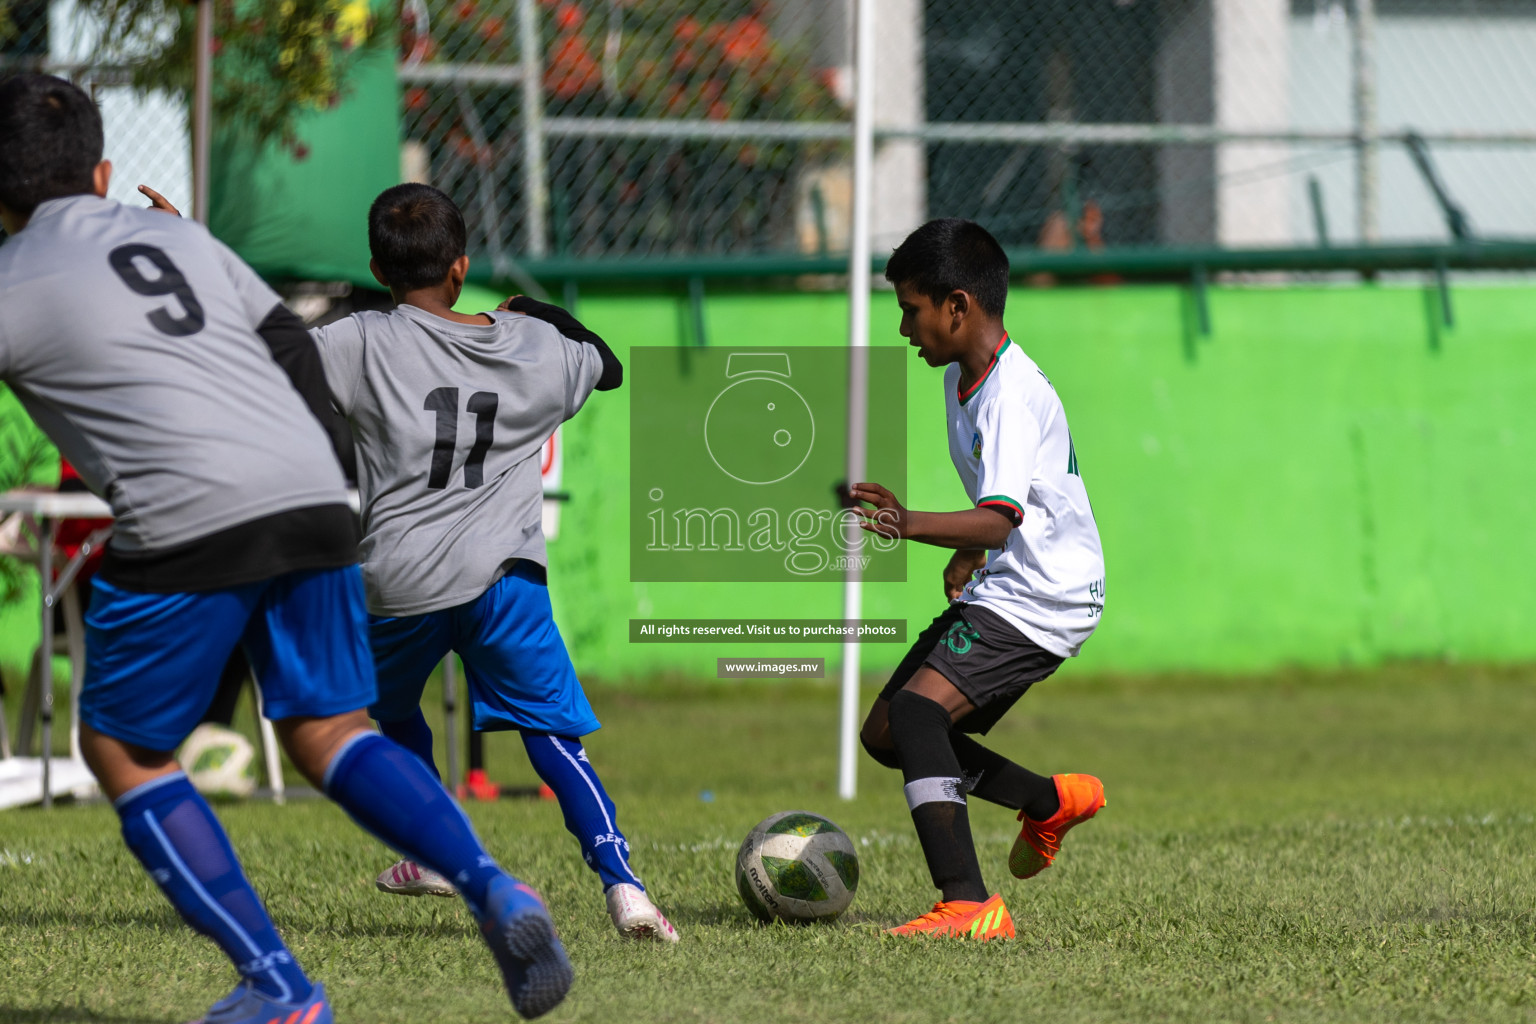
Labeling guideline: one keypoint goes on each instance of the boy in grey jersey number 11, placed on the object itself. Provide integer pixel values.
(450, 412)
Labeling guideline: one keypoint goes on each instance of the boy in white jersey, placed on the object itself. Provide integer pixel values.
(1026, 582)
(450, 413)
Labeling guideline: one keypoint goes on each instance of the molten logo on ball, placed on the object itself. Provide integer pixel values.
(797, 866)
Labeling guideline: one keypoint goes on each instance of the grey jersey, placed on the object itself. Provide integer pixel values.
(129, 335)
(449, 420)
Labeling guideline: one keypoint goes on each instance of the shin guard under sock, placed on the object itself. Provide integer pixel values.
(388, 791)
(992, 777)
(920, 729)
(172, 831)
(589, 814)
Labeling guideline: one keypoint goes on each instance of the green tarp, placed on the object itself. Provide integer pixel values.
(307, 218)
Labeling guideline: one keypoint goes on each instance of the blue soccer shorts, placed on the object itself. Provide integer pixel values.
(152, 661)
(519, 673)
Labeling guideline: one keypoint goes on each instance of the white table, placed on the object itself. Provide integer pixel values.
(42, 511)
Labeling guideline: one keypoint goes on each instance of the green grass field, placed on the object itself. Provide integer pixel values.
(1308, 848)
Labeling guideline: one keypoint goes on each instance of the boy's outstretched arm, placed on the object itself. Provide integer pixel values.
(293, 349)
(158, 201)
(562, 321)
(984, 527)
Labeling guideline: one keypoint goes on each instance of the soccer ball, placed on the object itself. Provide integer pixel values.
(797, 866)
(219, 761)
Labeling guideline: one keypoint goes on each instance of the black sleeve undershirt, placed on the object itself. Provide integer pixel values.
(294, 350)
(562, 321)
(317, 537)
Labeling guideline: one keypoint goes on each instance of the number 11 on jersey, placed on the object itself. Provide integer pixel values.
(445, 403)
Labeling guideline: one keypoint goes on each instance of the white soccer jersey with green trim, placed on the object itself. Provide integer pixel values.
(1009, 441)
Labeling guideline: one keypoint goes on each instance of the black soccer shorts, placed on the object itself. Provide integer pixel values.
(983, 655)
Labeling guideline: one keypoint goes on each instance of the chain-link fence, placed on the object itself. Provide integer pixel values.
(604, 128)
(1239, 122)
(638, 128)
(146, 134)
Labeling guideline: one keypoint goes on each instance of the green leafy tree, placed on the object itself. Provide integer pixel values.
(272, 61)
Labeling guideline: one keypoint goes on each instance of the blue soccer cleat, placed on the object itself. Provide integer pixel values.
(533, 964)
(247, 1006)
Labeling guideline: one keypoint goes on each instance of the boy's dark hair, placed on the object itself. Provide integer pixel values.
(53, 141)
(945, 255)
(415, 233)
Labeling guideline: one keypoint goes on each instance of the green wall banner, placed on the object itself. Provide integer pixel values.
(1330, 478)
(305, 216)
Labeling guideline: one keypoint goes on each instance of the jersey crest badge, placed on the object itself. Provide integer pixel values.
(976, 445)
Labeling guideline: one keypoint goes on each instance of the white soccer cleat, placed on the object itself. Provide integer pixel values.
(636, 917)
(407, 878)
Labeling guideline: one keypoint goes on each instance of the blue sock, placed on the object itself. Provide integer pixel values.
(415, 735)
(173, 832)
(589, 814)
(387, 790)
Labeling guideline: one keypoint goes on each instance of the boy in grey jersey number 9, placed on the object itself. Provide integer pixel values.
(449, 413)
(189, 398)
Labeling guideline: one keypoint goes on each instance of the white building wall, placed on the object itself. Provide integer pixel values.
(900, 200)
(1252, 78)
(1433, 74)
(146, 135)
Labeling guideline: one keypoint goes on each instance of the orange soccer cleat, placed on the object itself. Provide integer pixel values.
(1040, 841)
(962, 919)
